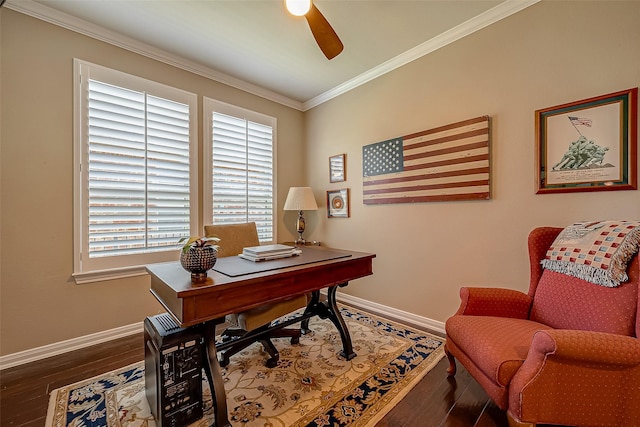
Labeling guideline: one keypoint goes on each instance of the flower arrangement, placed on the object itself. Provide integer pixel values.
(198, 242)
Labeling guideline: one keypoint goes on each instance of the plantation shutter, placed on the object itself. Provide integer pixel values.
(138, 171)
(242, 176)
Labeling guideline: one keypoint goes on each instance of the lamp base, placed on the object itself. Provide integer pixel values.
(300, 225)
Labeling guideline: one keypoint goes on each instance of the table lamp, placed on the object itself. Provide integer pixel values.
(300, 199)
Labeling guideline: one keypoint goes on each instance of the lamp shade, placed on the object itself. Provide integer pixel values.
(300, 199)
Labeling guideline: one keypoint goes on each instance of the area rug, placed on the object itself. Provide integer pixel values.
(310, 386)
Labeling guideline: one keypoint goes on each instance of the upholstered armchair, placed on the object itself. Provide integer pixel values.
(567, 352)
(256, 322)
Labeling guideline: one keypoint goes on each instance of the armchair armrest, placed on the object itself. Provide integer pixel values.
(586, 347)
(598, 373)
(494, 302)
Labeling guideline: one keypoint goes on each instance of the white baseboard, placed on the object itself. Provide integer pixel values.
(22, 357)
(391, 312)
(38, 353)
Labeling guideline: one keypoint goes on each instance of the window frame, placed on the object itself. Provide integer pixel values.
(209, 106)
(86, 269)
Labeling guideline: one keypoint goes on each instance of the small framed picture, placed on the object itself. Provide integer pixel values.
(338, 168)
(588, 145)
(338, 203)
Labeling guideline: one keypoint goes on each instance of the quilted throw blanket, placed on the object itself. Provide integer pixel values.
(597, 252)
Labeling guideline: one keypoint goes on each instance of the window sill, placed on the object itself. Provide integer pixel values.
(111, 274)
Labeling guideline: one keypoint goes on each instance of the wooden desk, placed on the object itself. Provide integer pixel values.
(207, 303)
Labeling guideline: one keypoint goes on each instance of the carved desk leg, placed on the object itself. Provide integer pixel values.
(335, 316)
(214, 376)
(312, 307)
(329, 310)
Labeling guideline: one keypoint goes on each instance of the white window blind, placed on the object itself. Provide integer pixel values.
(242, 168)
(138, 171)
(136, 193)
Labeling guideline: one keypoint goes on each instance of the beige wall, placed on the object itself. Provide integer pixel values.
(40, 303)
(549, 54)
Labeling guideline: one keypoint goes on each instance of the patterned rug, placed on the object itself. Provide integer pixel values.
(311, 386)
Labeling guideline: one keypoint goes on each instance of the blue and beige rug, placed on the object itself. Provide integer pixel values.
(311, 386)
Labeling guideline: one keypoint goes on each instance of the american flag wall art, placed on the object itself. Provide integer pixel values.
(446, 163)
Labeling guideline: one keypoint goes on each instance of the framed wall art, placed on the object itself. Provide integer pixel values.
(338, 203)
(446, 163)
(588, 145)
(338, 168)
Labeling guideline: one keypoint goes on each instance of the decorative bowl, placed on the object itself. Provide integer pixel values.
(198, 260)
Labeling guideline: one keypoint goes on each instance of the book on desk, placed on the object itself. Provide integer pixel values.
(269, 252)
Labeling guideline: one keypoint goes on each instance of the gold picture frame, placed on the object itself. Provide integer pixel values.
(588, 145)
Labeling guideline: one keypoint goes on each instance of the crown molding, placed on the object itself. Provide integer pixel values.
(47, 14)
(495, 14)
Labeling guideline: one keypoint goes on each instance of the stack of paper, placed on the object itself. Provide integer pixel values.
(267, 252)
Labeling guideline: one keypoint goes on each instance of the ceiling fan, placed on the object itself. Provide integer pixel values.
(325, 36)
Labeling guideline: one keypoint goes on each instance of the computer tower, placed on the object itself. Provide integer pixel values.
(173, 371)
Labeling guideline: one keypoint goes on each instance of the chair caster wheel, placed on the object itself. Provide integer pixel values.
(295, 340)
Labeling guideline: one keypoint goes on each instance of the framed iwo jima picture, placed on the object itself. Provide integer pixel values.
(588, 145)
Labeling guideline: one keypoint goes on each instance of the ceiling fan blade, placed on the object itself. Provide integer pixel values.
(324, 34)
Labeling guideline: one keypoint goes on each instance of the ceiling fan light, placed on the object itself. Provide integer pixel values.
(298, 7)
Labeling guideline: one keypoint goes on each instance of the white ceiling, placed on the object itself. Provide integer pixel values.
(257, 46)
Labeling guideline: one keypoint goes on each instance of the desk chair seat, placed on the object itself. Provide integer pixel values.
(256, 322)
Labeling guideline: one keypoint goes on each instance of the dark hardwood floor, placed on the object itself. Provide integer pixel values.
(436, 401)
(24, 389)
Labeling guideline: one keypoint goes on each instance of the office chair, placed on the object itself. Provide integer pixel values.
(256, 321)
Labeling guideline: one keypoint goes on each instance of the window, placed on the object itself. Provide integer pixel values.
(135, 185)
(239, 163)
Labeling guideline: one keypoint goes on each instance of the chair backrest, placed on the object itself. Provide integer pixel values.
(233, 237)
(566, 302)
